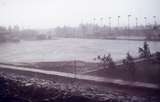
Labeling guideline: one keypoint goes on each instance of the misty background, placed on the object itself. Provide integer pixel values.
(40, 14)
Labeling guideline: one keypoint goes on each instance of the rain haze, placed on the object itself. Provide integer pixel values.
(79, 50)
(52, 13)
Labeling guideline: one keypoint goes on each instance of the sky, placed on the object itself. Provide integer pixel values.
(52, 13)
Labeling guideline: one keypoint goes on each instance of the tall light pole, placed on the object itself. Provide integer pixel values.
(136, 24)
(118, 21)
(101, 20)
(94, 25)
(94, 21)
(145, 21)
(129, 23)
(109, 18)
(155, 22)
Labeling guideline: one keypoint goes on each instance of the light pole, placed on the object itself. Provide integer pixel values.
(155, 22)
(145, 21)
(94, 21)
(136, 24)
(101, 20)
(94, 25)
(118, 20)
(109, 18)
(128, 23)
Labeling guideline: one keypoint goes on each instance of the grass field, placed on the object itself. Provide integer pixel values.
(145, 71)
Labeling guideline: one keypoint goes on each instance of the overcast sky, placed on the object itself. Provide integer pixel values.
(52, 13)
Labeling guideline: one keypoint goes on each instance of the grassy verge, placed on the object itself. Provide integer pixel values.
(145, 71)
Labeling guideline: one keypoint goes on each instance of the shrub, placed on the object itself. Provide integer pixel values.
(144, 51)
(106, 61)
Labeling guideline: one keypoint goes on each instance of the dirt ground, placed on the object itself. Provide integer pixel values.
(20, 88)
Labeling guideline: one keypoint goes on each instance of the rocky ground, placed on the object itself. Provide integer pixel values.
(19, 88)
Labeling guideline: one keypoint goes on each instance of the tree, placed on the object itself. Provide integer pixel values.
(106, 61)
(145, 51)
(2, 29)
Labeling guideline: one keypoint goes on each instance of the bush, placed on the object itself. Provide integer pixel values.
(106, 61)
(144, 51)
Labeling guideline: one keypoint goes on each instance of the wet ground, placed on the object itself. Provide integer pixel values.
(20, 88)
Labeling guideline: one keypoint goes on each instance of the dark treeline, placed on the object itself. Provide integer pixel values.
(14, 34)
(96, 31)
(149, 32)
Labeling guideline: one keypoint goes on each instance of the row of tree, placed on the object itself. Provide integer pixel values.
(96, 31)
(14, 34)
(82, 31)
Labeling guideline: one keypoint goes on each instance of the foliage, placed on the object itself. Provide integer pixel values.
(106, 61)
(145, 51)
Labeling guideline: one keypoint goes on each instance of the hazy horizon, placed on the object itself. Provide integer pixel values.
(52, 13)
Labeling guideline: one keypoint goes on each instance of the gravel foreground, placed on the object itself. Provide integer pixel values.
(19, 88)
